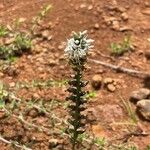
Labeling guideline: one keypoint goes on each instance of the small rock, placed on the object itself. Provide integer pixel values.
(9, 41)
(37, 49)
(116, 25)
(36, 96)
(96, 82)
(146, 12)
(61, 46)
(96, 26)
(46, 35)
(147, 54)
(33, 113)
(111, 87)
(108, 80)
(124, 16)
(83, 6)
(90, 7)
(52, 63)
(125, 28)
(107, 113)
(54, 142)
(143, 107)
(2, 114)
(139, 94)
(147, 4)
(12, 84)
(121, 9)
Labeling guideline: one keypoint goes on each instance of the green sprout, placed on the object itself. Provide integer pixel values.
(3, 31)
(22, 42)
(40, 17)
(120, 49)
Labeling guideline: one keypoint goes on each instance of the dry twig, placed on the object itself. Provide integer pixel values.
(14, 143)
(122, 69)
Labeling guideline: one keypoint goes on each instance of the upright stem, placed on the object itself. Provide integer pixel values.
(77, 104)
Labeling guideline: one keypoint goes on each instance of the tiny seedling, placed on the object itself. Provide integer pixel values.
(3, 31)
(129, 110)
(40, 17)
(118, 49)
(91, 94)
(21, 43)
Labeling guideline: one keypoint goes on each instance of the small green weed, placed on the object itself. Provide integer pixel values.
(3, 31)
(130, 112)
(101, 142)
(119, 49)
(91, 94)
(22, 42)
(148, 147)
(39, 18)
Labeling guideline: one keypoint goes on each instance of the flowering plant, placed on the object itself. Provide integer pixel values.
(77, 50)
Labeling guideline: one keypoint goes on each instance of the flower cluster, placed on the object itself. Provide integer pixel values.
(78, 46)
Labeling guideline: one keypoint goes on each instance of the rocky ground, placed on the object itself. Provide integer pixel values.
(118, 101)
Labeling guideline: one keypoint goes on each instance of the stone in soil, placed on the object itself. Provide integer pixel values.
(111, 87)
(143, 107)
(33, 113)
(124, 16)
(96, 82)
(96, 26)
(147, 54)
(2, 114)
(116, 25)
(146, 12)
(108, 81)
(139, 94)
(107, 113)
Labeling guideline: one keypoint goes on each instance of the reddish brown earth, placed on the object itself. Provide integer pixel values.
(47, 62)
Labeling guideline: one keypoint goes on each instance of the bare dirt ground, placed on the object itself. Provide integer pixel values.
(106, 21)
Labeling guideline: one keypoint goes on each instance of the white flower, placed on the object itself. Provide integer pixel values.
(78, 46)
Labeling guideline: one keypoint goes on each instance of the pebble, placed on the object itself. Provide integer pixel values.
(116, 25)
(147, 4)
(12, 84)
(52, 62)
(146, 12)
(33, 113)
(124, 16)
(125, 28)
(96, 26)
(46, 35)
(121, 9)
(111, 87)
(90, 7)
(2, 114)
(53, 143)
(83, 6)
(108, 80)
(106, 113)
(9, 41)
(147, 54)
(143, 107)
(96, 82)
(139, 94)
(37, 49)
